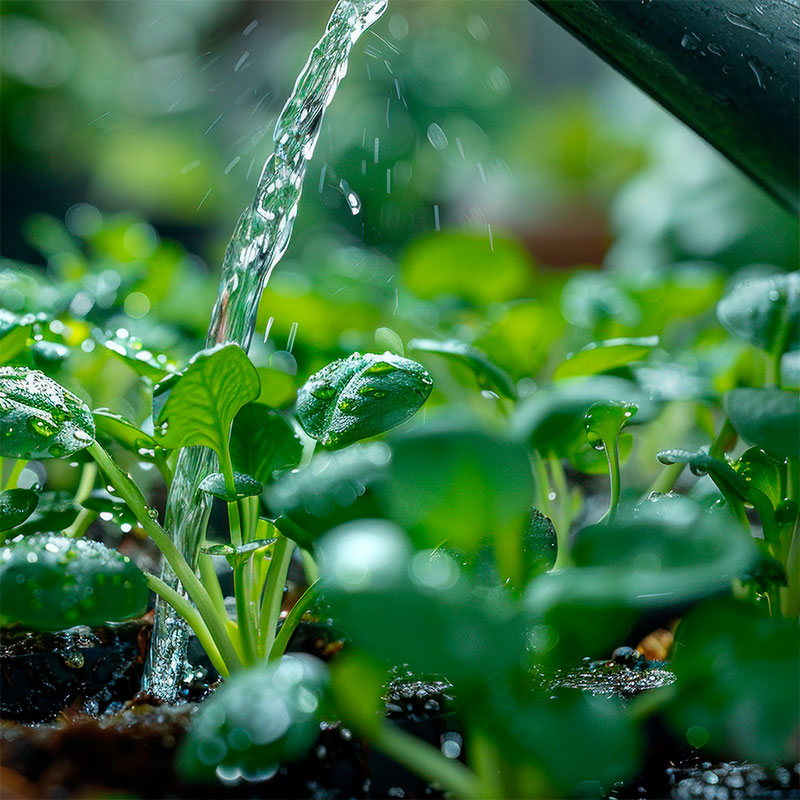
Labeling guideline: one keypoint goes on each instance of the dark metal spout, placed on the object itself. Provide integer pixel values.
(727, 68)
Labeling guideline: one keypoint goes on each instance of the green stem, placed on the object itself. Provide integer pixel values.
(427, 761)
(130, 493)
(209, 579)
(292, 620)
(309, 566)
(612, 456)
(192, 617)
(485, 762)
(790, 594)
(245, 609)
(666, 480)
(81, 523)
(86, 484)
(273, 592)
(726, 439)
(16, 471)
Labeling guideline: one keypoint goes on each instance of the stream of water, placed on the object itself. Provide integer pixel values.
(258, 244)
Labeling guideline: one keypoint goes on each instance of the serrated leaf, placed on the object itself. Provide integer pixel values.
(244, 486)
(769, 418)
(202, 404)
(361, 396)
(488, 374)
(16, 505)
(263, 442)
(606, 355)
(131, 349)
(765, 311)
(39, 418)
(52, 582)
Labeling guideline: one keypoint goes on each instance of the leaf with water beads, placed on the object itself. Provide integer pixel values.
(205, 399)
(257, 720)
(15, 330)
(361, 396)
(55, 511)
(131, 349)
(244, 486)
(604, 421)
(604, 356)
(488, 374)
(765, 311)
(39, 418)
(769, 418)
(52, 582)
(125, 433)
(111, 509)
(16, 505)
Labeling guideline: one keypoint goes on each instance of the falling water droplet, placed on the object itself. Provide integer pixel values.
(436, 136)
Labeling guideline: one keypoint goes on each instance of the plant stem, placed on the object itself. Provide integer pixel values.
(16, 471)
(192, 617)
(666, 480)
(130, 493)
(309, 566)
(427, 761)
(292, 620)
(245, 610)
(209, 579)
(81, 523)
(86, 483)
(273, 592)
(612, 456)
(726, 439)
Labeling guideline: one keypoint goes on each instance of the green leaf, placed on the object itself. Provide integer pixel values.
(53, 582)
(464, 265)
(142, 360)
(278, 388)
(769, 418)
(552, 419)
(765, 311)
(603, 421)
(592, 460)
(39, 418)
(336, 487)
(110, 508)
(257, 720)
(456, 484)
(202, 404)
(666, 549)
(605, 743)
(125, 433)
(605, 356)
(403, 607)
(361, 396)
(762, 472)
(14, 333)
(244, 486)
(387, 339)
(263, 442)
(737, 681)
(16, 505)
(54, 512)
(489, 375)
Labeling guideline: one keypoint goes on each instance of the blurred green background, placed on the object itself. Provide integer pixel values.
(133, 134)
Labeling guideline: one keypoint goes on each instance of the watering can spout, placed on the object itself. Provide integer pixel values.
(726, 68)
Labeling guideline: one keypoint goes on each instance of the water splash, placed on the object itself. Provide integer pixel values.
(259, 241)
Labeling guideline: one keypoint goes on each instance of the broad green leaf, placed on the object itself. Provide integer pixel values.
(416, 608)
(768, 418)
(456, 484)
(765, 311)
(16, 505)
(257, 720)
(463, 265)
(605, 356)
(605, 743)
(39, 418)
(125, 433)
(54, 512)
(204, 401)
(489, 375)
(131, 349)
(336, 487)
(668, 549)
(603, 421)
(737, 681)
(762, 472)
(361, 396)
(244, 486)
(263, 442)
(551, 420)
(111, 509)
(52, 582)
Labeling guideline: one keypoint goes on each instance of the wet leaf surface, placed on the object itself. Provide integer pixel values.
(769, 418)
(16, 505)
(244, 486)
(605, 356)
